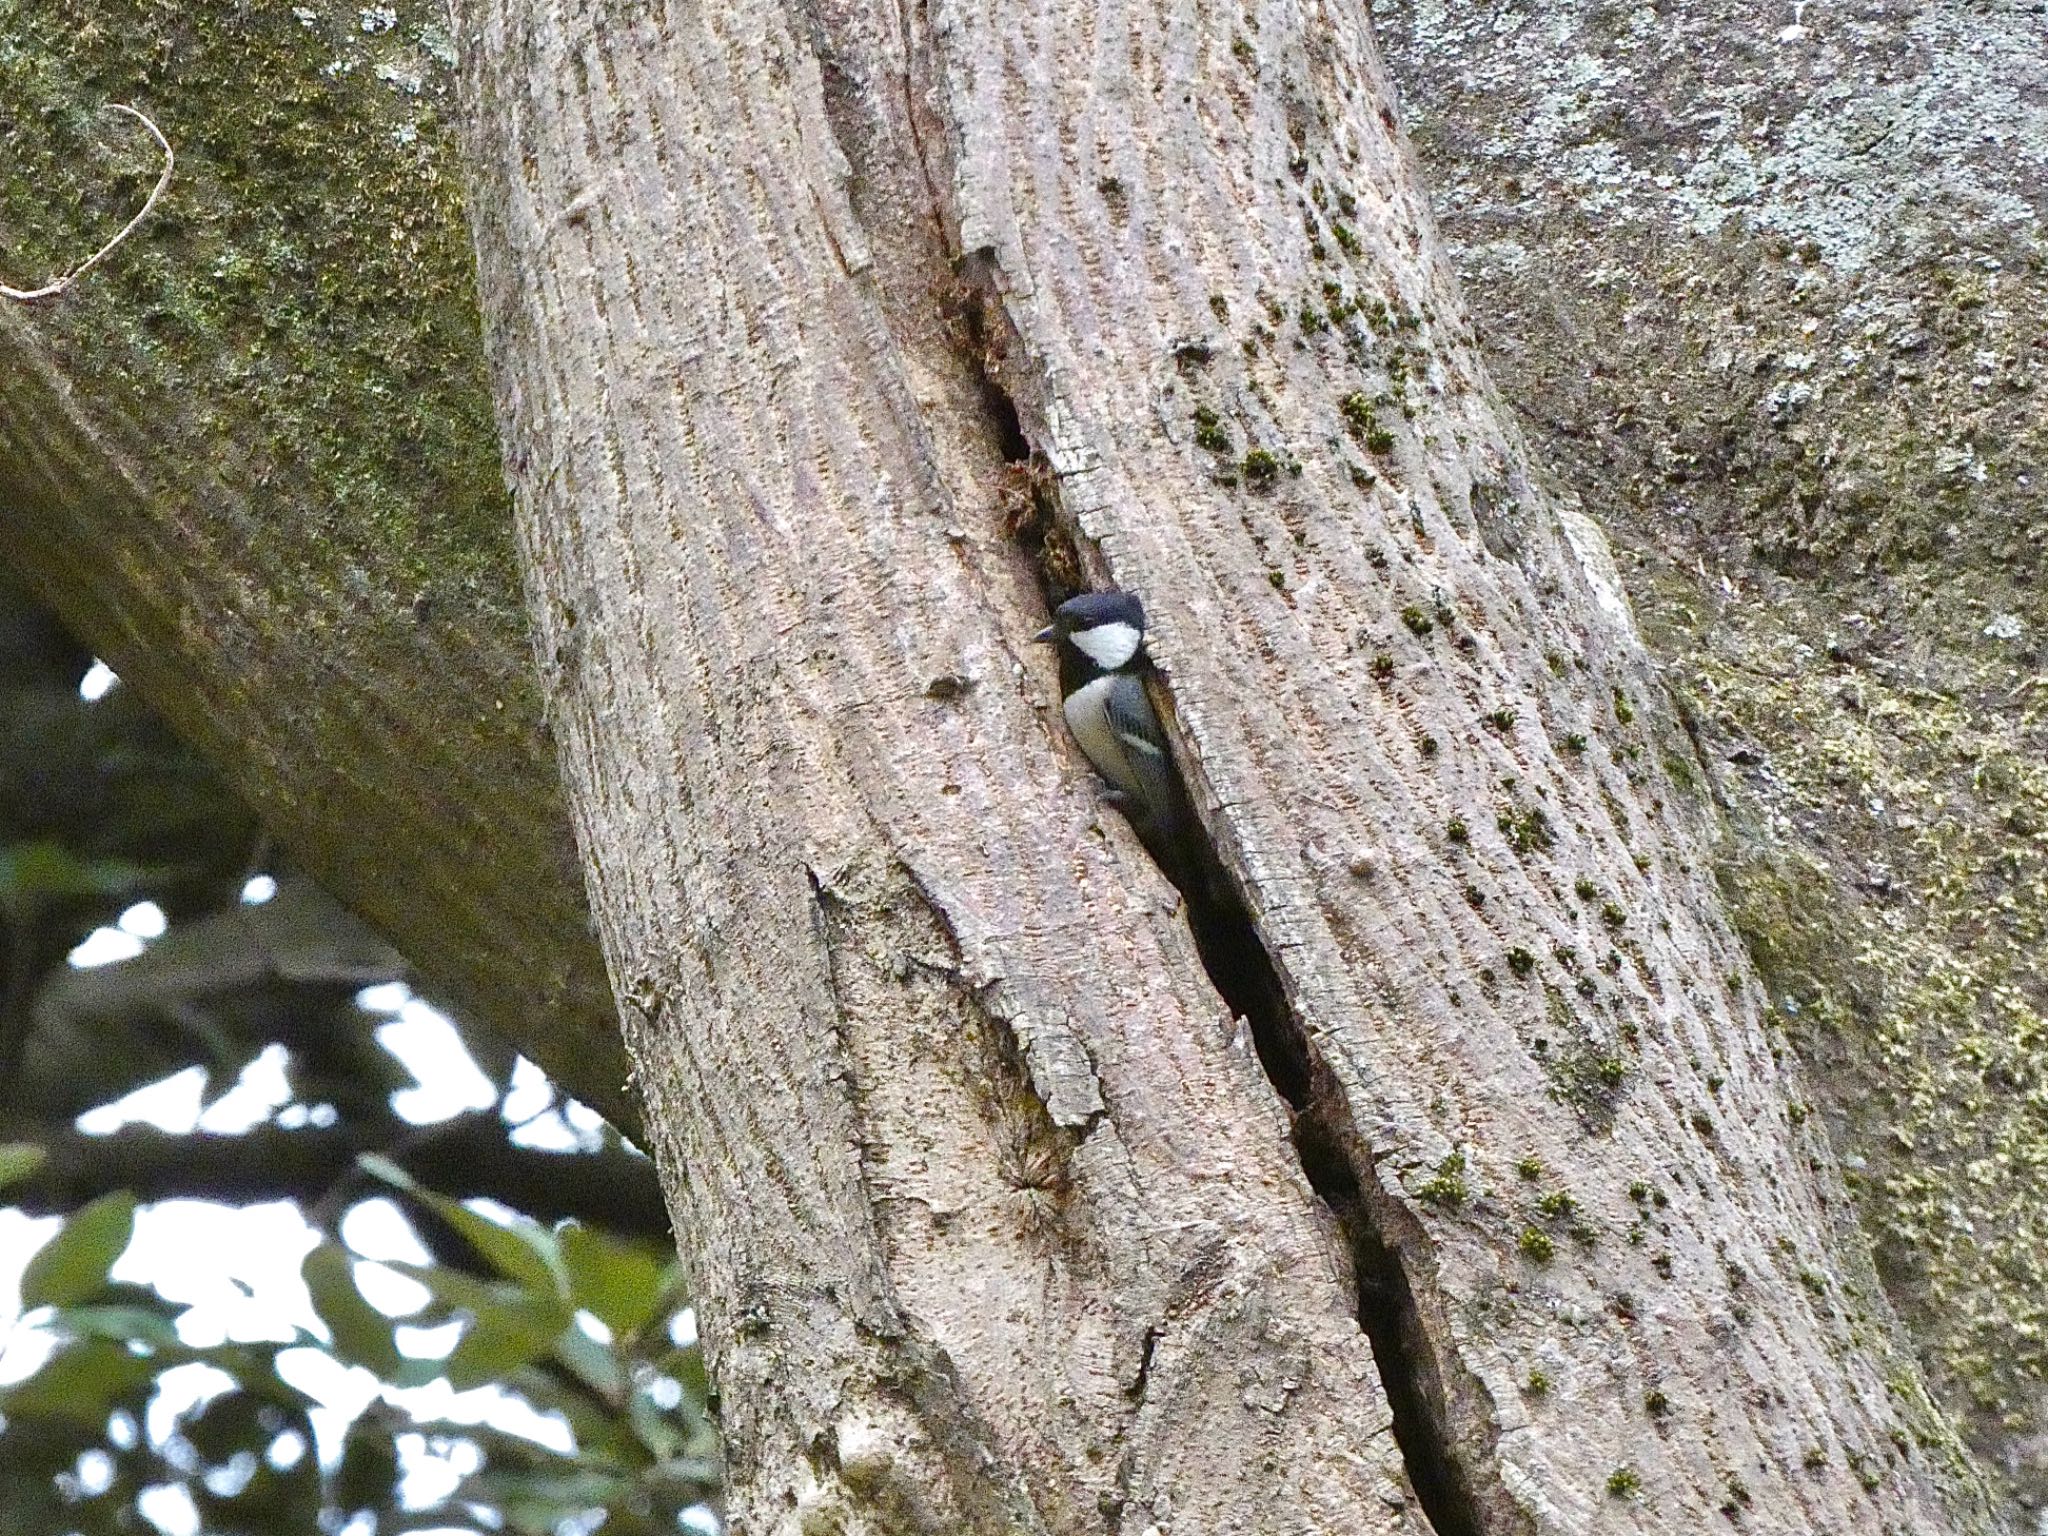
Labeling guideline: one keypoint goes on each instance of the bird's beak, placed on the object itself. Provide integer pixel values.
(1046, 635)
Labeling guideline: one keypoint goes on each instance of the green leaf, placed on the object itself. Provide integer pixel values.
(225, 1424)
(123, 1325)
(501, 1338)
(658, 1430)
(80, 1385)
(19, 1159)
(73, 1265)
(46, 871)
(594, 1364)
(255, 1367)
(688, 1478)
(524, 1251)
(507, 1328)
(378, 1166)
(536, 1500)
(454, 1291)
(621, 1284)
(369, 1465)
(602, 1437)
(362, 1334)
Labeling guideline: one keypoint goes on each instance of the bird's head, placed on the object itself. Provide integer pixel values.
(1107, 629)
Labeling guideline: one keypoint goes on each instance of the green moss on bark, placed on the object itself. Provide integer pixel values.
(305, 288)
(1797, 373)
(273, 498)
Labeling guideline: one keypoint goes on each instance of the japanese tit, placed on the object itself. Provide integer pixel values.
(1101, 639)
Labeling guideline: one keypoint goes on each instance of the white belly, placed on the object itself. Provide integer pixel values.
(1087, 713)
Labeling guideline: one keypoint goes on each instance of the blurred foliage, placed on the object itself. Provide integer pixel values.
(569, 1305)
(636, 1403)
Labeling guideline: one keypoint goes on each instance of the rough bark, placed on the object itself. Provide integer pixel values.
(1569, 143)
(1771, 289)
(1823, 478)
(760, 481)
(248, 461)
(994, 1223)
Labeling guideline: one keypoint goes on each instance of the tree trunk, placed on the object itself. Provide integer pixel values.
(1770, 288)
(248, 459)
(186, 435)
(1790, 354)
(994, 1222)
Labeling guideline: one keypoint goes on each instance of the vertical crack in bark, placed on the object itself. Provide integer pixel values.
(1381, 1236)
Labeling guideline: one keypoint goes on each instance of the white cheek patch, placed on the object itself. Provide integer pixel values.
(1109, 646)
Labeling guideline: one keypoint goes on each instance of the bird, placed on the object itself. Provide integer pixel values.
(1101, 642)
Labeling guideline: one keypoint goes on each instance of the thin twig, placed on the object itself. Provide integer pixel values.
(58, 285)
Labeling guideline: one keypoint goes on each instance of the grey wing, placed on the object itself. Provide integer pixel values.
(1143, 744)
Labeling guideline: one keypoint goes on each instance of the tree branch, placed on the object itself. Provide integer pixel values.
(281, 514)
(465, 1157)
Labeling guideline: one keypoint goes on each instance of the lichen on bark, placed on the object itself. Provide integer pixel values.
(1770, 290)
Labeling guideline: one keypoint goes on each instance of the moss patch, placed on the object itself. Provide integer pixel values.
(305, 287)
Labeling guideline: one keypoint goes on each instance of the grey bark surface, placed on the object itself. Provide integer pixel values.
(1769, 286)
(867, 940)
(994, 1222)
